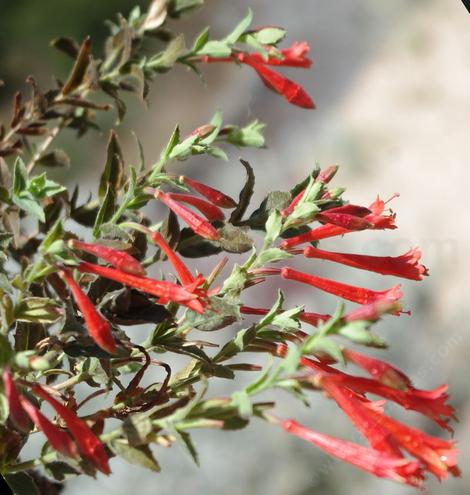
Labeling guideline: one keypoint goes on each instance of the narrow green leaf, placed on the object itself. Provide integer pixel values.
(271, 256)
(105, 212)
(215, 49)
(242, 26)
(200, 41)
(20, 176)
(273, 227)
(269, 35)
(56, 233)
(165, 60)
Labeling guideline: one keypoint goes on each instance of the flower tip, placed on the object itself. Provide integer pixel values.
(302, 99)
(394, 293)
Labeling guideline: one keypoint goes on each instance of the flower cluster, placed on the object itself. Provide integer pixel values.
(81, 438)
(294, 56)
(71, 296)
(388, 439)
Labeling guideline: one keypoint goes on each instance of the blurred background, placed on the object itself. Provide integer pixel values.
(391, 81)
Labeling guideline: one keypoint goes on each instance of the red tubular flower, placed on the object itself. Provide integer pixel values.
(438, 456)
(18, 415)
(194, 222)
(88, 443)
(376, 218)
(372, 461)
(405, 266)
(358, 295)
(358, 411)
(313, 318)
(327, 174)
(293, 56)
(119, 259)
(384, 433)
(290, 90)
(316, 234)
(203, 130)
(382, 371)
(58, 439)
(354, 210)
(216, 197)
(324, 177)
(182, 270)
(98, 328)
(209, 210)
(248, 310)
(285, 212)
(165, 291)
(431, 403)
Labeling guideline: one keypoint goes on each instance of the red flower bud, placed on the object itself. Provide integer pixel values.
(184, 274)
(119, 259)
(58, 439)
(343, 220)
(88, 443)
(194, 222)
(216, 197)
(18, 415)
(98, 328)
(354, 210)
(327, 174)
(376, 219)
(374, 310)
(203, 130)
(209, 210)
(324, 177)
(316, 234)
(285, 212)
